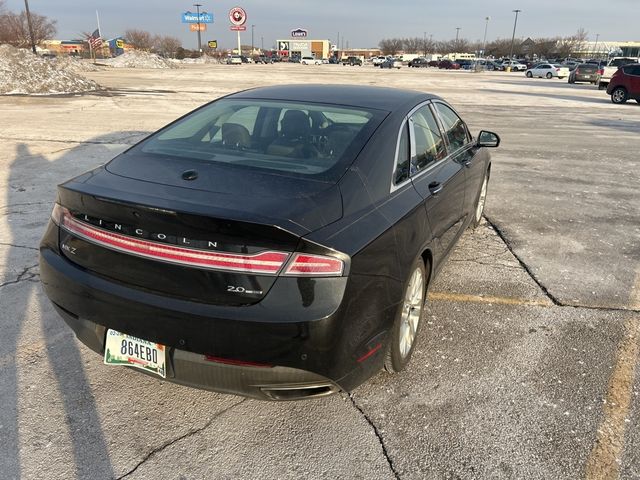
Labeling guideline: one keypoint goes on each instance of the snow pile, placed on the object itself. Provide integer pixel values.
(22, 72)
(77, 65)
(138, 59)
(202, 59)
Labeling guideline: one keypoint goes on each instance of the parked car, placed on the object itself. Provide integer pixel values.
(584, 72)
(513, 65)
(605, 73)
(376, 61)
(625, 84)
(433, 63)
(311, 61)
(418, 62)
(240, 248)
(353, 61)
(547, 70)
(465, 64)
(391, 63)
(234, 60)
(448, 65)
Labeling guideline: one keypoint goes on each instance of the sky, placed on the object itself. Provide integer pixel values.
(359, 23)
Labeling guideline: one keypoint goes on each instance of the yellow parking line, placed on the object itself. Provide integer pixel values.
(602, 463)
(461, 297)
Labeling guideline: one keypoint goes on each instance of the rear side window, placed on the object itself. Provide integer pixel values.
(632, 70)
(455, 129)
(428, 144)
(298, 138)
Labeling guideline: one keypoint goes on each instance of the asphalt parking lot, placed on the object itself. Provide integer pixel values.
(527, 367)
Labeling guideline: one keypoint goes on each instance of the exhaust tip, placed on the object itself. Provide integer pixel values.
(299, 392)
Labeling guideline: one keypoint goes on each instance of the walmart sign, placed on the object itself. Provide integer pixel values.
(190, 17)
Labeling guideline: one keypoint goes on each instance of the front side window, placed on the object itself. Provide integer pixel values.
(296, 138)
(455, 129)
(428, 143)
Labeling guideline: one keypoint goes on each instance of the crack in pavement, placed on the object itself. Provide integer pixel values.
(555, 300)
(18, 246)
(181, 437)
(377, 433)
(24, 276)
(526, 268)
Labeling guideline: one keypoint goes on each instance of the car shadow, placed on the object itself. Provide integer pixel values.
(34, 338)
(554, 83)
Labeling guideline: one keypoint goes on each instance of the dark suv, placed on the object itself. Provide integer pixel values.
(625, 84)
(352, 61)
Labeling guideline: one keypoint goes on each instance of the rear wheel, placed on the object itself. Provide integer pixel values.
(405, 329)
(619, 95)
(480, 202)
(549, 75)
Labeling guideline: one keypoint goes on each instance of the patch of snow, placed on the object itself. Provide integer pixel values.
(138, 59)
(22, 72)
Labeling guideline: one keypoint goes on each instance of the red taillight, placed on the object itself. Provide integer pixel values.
(577, 70)
(305, 265)
(265, 263)
(601, 71)
(262, 263)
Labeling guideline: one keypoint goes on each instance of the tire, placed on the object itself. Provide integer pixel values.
(571, 81)
(619, 95)
(529, 75)
(549, 75)
(406, 327)
(480, 202)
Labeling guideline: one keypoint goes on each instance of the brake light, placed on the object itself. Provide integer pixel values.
(601, 71)
(557, 69)
(305, 265)
(56, 213)
(577, 70)
(269, 262)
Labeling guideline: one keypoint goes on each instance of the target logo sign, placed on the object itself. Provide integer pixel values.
(237, 16)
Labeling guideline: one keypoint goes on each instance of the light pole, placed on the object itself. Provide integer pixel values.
(514, 35)
(252, 39)
(33, 42)
(262, 44)
(484, 41)
(457, 33)
(424, 44)
(198, 5)
(595, 47)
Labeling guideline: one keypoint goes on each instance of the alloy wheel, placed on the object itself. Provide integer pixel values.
(411, 311)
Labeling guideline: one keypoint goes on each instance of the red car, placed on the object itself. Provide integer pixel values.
(449, 65)
(625, 84)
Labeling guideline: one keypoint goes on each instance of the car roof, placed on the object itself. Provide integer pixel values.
(365, 96)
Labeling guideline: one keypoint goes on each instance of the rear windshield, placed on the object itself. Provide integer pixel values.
(297, 138)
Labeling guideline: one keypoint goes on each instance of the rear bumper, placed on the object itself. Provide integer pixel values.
(311, 342)
(194, 370)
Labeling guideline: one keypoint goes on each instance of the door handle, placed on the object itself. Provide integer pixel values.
(468, 163)
(435, 188)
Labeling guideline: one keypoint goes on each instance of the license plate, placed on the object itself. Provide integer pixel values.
(123, 349)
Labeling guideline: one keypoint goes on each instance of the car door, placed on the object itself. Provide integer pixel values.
(633, 72)
(437, 177)
(462, 151)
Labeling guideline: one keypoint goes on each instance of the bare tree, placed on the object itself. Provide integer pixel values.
(139, 39)
(14, 28)
(413, 45)
(166, 46)
(499, 47)
(390, 46)
(546, 47)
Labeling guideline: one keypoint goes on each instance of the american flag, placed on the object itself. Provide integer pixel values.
(94, 40)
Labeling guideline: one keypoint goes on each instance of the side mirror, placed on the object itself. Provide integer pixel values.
(488, 139)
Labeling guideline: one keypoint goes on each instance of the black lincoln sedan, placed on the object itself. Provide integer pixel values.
(275, 243)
